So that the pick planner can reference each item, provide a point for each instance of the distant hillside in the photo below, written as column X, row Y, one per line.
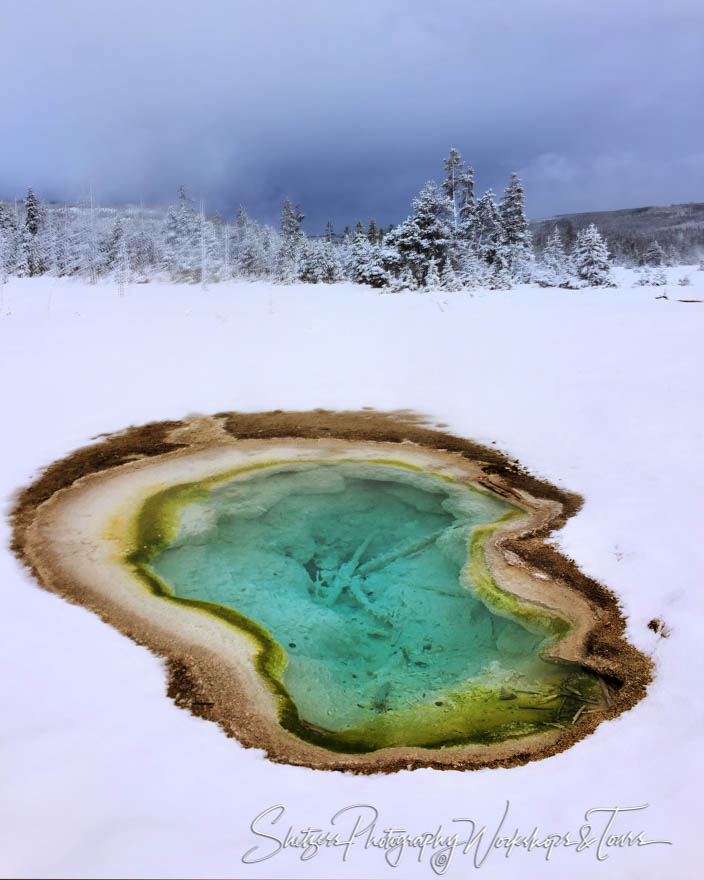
column 679, row 229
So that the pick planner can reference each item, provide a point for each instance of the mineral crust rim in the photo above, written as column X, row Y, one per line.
column 74, row 539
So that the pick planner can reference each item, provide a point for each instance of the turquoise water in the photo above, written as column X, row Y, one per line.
column 356, row 570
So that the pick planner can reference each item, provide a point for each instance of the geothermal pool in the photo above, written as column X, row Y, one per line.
column 367, row 590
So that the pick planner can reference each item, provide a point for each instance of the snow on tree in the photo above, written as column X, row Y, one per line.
column 432, row 276
column 427, row 234
column 58, row 242
column 658, row 278
column 8, row 243
column 365, row 262
column 472, row 271
column 673, row 256
column 332, row 264
column 287, row 269
column 117, row 256
column 5, row 245
column 591, row 258
column 374, row 274
column 489, row 236
column 319, row 262
column 183, row 256
column 404, row 281
column 454, row 169
column 311, row 262
column 34, row 215
column 357, row 256
column 87, row 256
column 449, row 279
column 459, row 188
column 654, row 255
column 32, row 258
column 553, row 269
column 467, row 204
column 515, row 230
column 644, row 279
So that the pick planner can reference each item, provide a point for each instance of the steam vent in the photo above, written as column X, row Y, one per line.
column 345, row 590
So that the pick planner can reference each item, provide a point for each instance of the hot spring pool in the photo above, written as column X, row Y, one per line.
column 355, row 578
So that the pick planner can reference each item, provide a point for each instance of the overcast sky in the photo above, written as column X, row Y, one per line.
column 349, row 107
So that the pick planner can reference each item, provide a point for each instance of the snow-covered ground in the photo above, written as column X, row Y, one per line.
column 598, row 390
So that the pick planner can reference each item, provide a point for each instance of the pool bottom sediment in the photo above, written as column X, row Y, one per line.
column 76, row 524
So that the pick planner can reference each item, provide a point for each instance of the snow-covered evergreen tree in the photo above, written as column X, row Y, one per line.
column 466, row 205
column 489, row 236
column 654, row 255
column 591, row 258
column 332, row 265
column 472, row 271
column 357, row 256
column 427, row 234
column 287, row 268
column 311, row 262
column 553, row 269
column 672, row 256
column 183, row 255
column 432, row 276
column 454, row 169
column 404, row 281
column 32, row 257
column 448, row 278
column 515, row 230
column 8, row 243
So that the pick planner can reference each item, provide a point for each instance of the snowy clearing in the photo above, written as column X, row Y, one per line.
column 597, row 390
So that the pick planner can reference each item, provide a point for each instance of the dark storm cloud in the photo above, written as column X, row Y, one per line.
column 349, row 108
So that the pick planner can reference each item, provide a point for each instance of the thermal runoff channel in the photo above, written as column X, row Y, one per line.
column 367, row 588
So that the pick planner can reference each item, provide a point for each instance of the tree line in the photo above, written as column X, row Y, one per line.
column 452, row 240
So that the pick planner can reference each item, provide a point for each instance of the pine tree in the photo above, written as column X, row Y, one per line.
column 405, row 281
column 33, row 257
column 427, row 234
column 454, row 169
column 515, row 229
column 8, row 243
column 654, row 255
column 332, row 272
column 358, row 256
column 489, row 237
column 553, row 269
column 448, row 278
column 673, row 256
column 467, row 204
column 183, row 257
column 34, row 215
column 375, row 274
column 329, row 233
column 591, row 258
column 373, row 232
column 432, row 276
column 292, row 239
column 473, row 271
column 659, row 277
column 310, row 265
